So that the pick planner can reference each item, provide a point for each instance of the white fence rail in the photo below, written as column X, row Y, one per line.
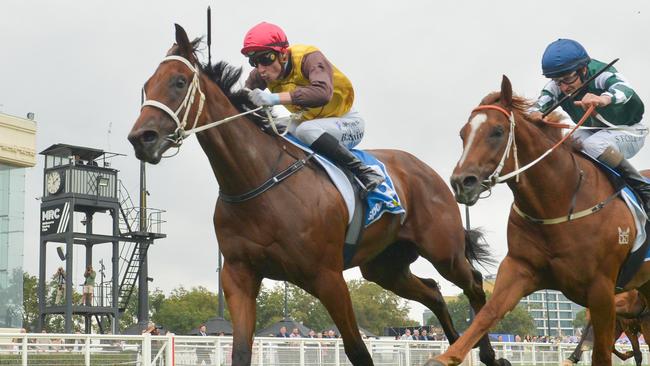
column 145, row 350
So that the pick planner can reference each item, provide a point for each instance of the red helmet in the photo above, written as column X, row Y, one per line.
column 265, row 37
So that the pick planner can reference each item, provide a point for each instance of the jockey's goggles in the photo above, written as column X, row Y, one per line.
column 265, row 58
column 566, row 80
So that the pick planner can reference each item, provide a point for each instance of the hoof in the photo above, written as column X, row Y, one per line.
column 503, row 362
column 434, row 362
column 567, row 363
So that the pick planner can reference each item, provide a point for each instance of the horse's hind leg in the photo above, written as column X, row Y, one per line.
column 390, row 270
column 331, row 290
column 514, row 280
column 576, row 355
column 455, row 268
column 241, row 287
column 631, row 328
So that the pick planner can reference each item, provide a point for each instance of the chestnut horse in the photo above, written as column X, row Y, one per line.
column 631, row 319
column 580, row 256
column 295, row 230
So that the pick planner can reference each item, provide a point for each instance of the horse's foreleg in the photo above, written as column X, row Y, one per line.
column 512, row 283
column 331, row 290
column 241, row 286
column 603, row 316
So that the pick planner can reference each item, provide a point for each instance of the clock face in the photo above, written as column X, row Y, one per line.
column 53, row 182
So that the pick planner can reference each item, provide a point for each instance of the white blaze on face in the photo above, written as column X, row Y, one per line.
column 475, row 124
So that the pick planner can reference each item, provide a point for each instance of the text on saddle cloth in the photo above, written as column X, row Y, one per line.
column 383, row 199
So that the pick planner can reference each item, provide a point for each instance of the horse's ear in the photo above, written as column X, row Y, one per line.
column 183, row 42
column 506, row 92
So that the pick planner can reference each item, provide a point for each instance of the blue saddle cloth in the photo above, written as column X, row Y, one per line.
column 383, row 199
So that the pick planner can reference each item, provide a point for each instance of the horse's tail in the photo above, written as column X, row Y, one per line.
column 477, row 249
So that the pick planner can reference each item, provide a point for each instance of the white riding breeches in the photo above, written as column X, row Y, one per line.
column 348, row 129
column 628, row 143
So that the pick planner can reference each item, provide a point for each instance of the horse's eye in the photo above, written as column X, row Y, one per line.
column 181, row 82
column 497, row 132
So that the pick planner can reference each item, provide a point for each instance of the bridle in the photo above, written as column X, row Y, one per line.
column 181, row 133
column 495, row 178
column 195, row 87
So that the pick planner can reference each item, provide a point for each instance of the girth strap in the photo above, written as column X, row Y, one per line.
column 571, row 216
column 268, row 184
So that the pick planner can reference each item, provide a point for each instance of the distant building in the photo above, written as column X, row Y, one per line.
column 17, row 153
column 550, row 309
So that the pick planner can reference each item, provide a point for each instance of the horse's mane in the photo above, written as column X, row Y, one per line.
column 520, row 107
column 225, row 76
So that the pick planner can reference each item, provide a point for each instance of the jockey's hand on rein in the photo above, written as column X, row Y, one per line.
column 592, row 99
column 263, row 98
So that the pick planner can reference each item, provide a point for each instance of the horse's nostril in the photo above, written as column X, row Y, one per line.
column 470, row 181
column 149, row 137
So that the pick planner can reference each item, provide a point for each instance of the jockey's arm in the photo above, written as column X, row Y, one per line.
column 318, row 71
column 616, row 86
column 547, row 97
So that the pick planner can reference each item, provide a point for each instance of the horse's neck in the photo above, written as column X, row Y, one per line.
column 548, row 186
column 241, row 155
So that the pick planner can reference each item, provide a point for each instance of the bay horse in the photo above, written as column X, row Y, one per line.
column 295, row 230
column 632, row 319
column 550, row 245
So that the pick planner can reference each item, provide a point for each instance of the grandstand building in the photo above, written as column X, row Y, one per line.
column 17, row 153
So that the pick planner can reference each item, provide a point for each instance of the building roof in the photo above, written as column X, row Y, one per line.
column 215, row 326
column 138, row 328
column 365, row 331
column 275, row 328
column 85, row 153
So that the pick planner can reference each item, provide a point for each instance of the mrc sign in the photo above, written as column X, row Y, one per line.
column 55, row 219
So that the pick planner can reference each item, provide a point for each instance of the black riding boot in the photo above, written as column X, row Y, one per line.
column 636, row 181
column 331, row 148
column 615, row 160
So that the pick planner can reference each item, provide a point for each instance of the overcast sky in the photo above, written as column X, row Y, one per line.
column 418, row 68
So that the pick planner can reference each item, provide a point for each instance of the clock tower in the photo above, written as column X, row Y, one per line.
column 84, row 205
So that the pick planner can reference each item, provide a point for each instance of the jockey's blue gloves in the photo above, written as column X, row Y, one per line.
column 263, row 98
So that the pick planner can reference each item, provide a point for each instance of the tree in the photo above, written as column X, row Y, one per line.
column 376, row 308
column 185, row 309
column 30, row 302
column 130, row 315
column 269, row 306
column 580, row 320
column 517, row 321
column 459, row 312
column 308, row 309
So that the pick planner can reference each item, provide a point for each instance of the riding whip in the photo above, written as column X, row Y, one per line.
column 575, row 92
column 209, row 37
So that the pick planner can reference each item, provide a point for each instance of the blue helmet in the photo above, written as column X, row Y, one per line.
column 563, row 56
